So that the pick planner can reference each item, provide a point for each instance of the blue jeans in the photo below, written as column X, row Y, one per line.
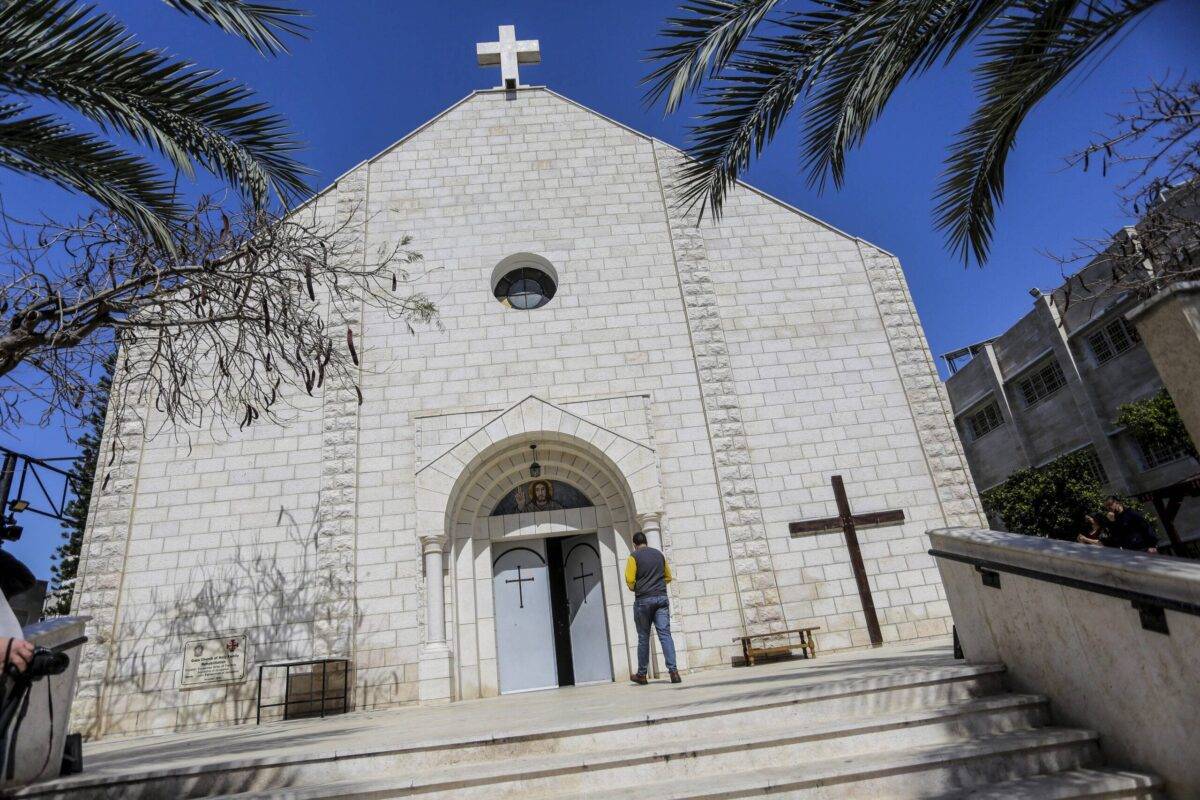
column 656, row 610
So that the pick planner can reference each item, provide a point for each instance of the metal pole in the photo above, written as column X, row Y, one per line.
column 856, row 562
column 6, row 479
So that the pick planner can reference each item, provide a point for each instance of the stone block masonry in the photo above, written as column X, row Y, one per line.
column 337, row 506
column 745, row 360
column 926, row 394
column 758, row 592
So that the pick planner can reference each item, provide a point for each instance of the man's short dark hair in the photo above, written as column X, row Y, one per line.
column 639, row 538
column 1114, row 498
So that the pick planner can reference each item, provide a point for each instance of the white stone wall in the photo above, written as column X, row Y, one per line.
column 820, row 361
column 771, row 336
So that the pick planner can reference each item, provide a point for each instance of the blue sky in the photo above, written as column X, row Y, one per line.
column 372, row 70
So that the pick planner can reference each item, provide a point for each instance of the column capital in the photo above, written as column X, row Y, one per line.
column 650, row 519
column 432, row 542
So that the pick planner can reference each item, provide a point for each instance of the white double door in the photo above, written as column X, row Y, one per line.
column 551, row 627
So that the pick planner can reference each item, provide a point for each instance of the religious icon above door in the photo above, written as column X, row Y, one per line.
column 541, row 495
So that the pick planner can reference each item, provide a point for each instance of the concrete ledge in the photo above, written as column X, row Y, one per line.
column 1174, row 579
column 42, row 734
column 1142, row 308
column 1109, row 636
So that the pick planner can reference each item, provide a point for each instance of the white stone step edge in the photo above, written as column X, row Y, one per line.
column 1076, row 784
column 605, row 763
column 895, row 772
column 891, row 680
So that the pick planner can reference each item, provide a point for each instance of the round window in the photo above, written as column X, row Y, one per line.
column 524, row 288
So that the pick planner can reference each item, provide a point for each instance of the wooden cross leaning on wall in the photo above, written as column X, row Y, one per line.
column 847, row 522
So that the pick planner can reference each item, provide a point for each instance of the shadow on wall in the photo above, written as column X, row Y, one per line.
column 273, row 593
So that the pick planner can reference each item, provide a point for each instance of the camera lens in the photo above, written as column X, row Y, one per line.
column 46, row 662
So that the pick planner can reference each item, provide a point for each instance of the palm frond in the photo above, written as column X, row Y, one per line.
column 743, row 111
column 262, row 25
column 706, row 39
column 44, row 146
column 1026, row 54
column 868, row 48
column 88, row 61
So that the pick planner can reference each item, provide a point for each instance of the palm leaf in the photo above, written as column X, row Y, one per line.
column 88, row 61
column 707, row 38
column 1026, row 54
column 259, row 24
column 47, row 147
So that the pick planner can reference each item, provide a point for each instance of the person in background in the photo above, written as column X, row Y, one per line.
column 1098, row 532
column 1121, row 527
column 647, row 574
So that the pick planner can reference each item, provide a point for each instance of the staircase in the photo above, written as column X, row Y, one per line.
column 941, row 729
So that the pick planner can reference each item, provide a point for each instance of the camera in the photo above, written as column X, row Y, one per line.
column 10, row 531
column 43, row 663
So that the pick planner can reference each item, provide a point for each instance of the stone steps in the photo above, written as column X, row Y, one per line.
column 913, row 732
column 1061, row 759
column 692, row 758
column 1076, row 784
column 795, row 709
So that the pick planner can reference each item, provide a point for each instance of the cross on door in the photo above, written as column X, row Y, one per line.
column 581, row 577
column 520, row 589
column 846, row 521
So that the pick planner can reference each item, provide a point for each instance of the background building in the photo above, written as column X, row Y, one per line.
column 1052, row 384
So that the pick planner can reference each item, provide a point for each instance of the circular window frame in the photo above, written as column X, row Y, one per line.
column 518, row 262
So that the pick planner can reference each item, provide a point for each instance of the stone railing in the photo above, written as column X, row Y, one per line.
column 39, row 745
column 1110, row 636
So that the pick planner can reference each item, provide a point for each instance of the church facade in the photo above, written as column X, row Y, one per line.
column 604, row 364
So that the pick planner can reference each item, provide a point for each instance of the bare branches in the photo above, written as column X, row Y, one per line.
column 1159, row 138
column 1157, row 142
column 238, row 318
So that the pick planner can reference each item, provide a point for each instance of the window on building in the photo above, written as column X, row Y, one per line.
column 1041, row 382
column 1155, row 455
column 1113, row 339
column 983, row 421
column 525, row 288
column 1094, row 466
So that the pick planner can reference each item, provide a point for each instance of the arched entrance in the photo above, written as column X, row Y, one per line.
column 535, row 589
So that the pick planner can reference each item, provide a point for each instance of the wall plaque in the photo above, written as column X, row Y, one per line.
column 213, row 661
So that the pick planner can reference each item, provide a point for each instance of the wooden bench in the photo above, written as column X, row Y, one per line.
column 806, row 644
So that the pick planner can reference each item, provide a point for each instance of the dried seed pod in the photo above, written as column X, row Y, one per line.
column 350, row 345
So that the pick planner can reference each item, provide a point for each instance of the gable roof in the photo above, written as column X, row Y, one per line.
column 647, row 138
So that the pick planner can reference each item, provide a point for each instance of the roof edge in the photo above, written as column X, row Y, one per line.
column 498, row 90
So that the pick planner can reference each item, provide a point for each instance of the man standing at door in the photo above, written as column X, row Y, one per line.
column 647, row 575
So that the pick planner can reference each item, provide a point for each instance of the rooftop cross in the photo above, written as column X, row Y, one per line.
column 508, row 53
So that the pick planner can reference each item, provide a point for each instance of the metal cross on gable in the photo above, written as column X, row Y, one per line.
column 847, row 521
column 508, row 53
column 520, row 589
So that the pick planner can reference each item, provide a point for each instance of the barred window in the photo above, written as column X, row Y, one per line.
column 983, row 421
column 1113, row 339
column 1093, row 465
column 1041, row 383
column 1159, row 453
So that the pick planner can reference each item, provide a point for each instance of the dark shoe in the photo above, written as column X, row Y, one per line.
column 675, row 677
column 638, row 679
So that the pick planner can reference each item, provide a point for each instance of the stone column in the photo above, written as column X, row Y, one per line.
column 435, row 590
column 1169, row 324
column 434, row 679
column 651, row 524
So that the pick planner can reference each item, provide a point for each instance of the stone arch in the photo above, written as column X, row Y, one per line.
column 533, row 420
column 455, row 495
